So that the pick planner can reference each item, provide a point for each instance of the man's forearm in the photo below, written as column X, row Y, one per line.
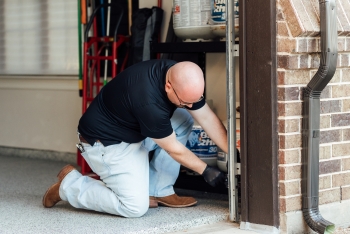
column 217, row 133
column 180, row 153
column 189, row 160
column 212, row 126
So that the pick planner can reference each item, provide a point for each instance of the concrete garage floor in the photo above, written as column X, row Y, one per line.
column 23, row 182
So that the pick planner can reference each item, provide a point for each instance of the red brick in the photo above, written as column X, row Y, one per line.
column 346, row 10
column 289, row 156
column 280, row 15
column 282, row 29
column 291, row 18
column 302, row 45
column 336, row 77
column 329, row 196
column 288, row 94
column 288, row 61
column 311, row 17
column 339, row 91
column 339, row 120
column 289, row 172
column 289, row 125
column 304, row 61
column 330, row 136
column 313, row 45
column 346, row 105
column 326, row 93
column 290, row 141
column 325, row 121
column 342, row 149
column 286, row 45
column 296, row 77
column 325, row 152
column 316, row 5
column 289, row 188
column 289, row 109
column 325, row 182
column 345, row 73
column 314, row 60
column 347, row 48
column 341, row 44
column 330, row 106
column 343, row 16
column 345, row 192
column 290, row 203
column 330, row 166
column 346, row 134
column 281, row 77
column 342, row 179
column 345, row 164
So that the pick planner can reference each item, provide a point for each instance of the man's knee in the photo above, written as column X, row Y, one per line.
column 133, row 206
column 135, row 209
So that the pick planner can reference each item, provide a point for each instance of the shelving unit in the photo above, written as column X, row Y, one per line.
column 189, row 47
column 229, row 47
column 200, row 48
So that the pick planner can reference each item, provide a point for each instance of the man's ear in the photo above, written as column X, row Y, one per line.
column 167, row 86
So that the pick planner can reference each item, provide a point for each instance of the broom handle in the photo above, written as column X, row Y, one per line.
column 106, row 53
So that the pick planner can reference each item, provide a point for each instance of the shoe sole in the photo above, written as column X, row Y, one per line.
column 176, row 206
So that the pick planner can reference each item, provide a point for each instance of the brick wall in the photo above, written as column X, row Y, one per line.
column 298, row 47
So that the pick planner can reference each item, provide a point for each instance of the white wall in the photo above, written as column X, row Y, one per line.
column 216, row 82
column 39, row 113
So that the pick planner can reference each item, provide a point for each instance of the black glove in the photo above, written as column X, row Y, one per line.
column 213, row 176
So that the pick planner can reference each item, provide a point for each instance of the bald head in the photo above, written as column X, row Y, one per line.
column 188, row 81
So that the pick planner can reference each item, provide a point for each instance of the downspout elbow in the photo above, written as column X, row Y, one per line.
column 316, row 222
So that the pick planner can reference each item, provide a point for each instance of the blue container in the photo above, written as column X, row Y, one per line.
column 200, row 143
column 218, row 11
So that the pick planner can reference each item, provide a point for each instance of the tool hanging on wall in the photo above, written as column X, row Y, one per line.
column 129, row 15
column 82, row 18
column 80, row 6
column 106, row 51
column 103, row 19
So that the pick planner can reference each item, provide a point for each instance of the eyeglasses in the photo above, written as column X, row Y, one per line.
column 182, row 103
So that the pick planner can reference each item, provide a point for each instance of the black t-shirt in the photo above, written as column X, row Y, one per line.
column 132, row 106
